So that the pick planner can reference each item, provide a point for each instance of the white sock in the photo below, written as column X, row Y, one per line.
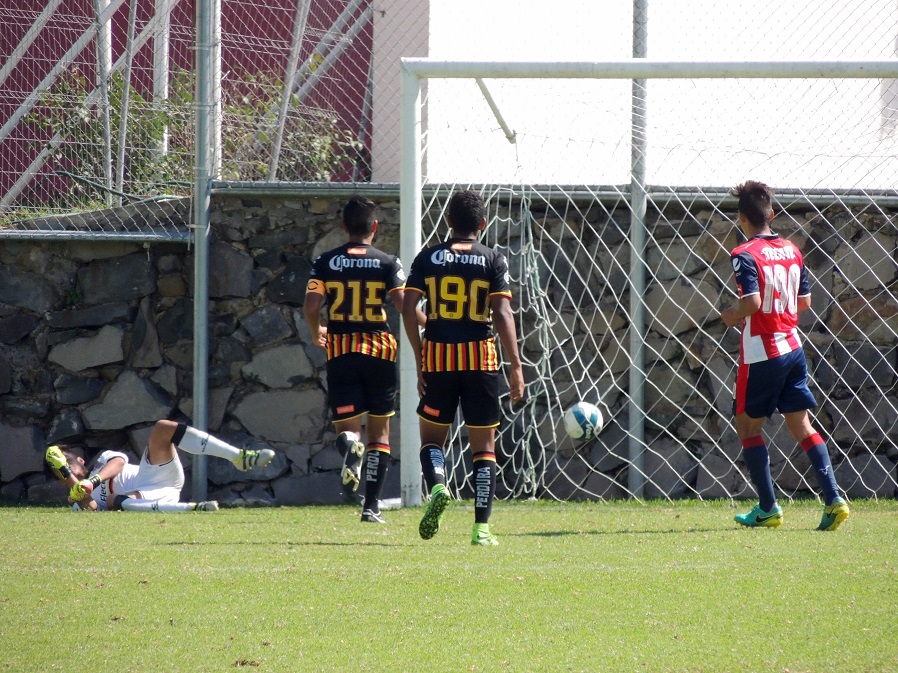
column 141, row 505
column 200, row 443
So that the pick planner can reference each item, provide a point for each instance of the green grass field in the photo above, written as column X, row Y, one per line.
column 573, row 587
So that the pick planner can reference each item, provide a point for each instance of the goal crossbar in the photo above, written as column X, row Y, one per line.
column 645, row 68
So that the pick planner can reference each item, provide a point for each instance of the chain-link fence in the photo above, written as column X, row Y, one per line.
column 97, row 96
column 98, row 109
column 98, row 102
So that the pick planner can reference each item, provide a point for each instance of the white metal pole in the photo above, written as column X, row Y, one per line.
column 409, row 241
column 89, row 102
column 217, row 110
column 161, row 49
column 299, row 29
column 28, row 39
column 104, row 66
column 126, row 93
column 638, row 147
column 201, row 199
column 363, row 19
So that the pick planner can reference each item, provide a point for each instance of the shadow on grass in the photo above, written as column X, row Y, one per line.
column 670, row 531
column 264, row 543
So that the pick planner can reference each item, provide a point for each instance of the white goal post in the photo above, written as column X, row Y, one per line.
column 413, row 191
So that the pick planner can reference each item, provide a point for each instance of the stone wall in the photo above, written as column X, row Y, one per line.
column 96, row 344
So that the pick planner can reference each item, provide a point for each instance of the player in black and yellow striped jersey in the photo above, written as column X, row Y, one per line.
column 354, row 281
column 466, row 293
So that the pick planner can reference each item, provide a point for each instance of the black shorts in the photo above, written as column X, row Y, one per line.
column 477, row 391
column 361, row 384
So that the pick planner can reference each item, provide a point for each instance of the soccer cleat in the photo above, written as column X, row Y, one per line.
column 433, row 515
column 834, row 515
column 247, row 459
column 55, row 457
column 370, row 516
column 482, row 537
column 207, row 506
column 352, row 450
column 757, row 517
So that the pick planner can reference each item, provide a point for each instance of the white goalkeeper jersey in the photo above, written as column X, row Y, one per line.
column 154, row 482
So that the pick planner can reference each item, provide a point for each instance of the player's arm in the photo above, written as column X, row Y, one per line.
column 397, row 296
column 59, row 464
column 746, row 272
column 410, row 310
column 747, row 306
column 311, row 310
column 804, row 290
column 503, row 319
column 81, row 492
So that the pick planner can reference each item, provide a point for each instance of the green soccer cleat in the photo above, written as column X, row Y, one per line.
column 247, row 459
column 433, row 515
column 481, row 537
column 759, row 518
column 834, row 515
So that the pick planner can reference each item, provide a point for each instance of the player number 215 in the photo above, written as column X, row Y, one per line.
column 352, row 298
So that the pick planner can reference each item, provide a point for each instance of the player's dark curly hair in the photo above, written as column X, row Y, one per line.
column 755, row 202
column 358, row 215
column 465, row 212
column 72, row 452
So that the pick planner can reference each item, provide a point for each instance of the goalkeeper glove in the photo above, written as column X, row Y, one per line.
column 84, row 488
column 57, row 461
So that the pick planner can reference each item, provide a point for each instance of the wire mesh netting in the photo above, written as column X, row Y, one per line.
column 569, row 256
column 97, row 98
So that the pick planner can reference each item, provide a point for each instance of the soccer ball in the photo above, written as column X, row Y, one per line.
column 583, row 421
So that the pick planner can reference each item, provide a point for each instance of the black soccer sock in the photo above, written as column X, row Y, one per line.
column 757, row 460
column 484, row 486
column 377, row 461
column 433, row 465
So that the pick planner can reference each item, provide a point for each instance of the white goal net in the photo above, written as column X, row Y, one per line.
column 609, row 194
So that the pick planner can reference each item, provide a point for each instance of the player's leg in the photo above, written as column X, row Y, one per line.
column 379, row 382
column 484, row 465
column 480, row 408
column 168, row 434
column 144, row 505
column 756, row 395
column 795, row 401
column 346, row 397
column 349, row 444
column 436, row 411
column 433, row 468
column 835, row 509
column 377, row 462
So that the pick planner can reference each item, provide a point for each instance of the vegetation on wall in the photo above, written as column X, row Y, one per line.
column 158, row 157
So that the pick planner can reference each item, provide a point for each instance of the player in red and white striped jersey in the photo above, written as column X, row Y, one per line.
column 772, row 375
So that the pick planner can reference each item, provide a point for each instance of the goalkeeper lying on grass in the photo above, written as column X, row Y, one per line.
column 154, row 485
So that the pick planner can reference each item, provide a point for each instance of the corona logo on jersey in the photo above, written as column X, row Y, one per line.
column 341, row 262
column 444, row 257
